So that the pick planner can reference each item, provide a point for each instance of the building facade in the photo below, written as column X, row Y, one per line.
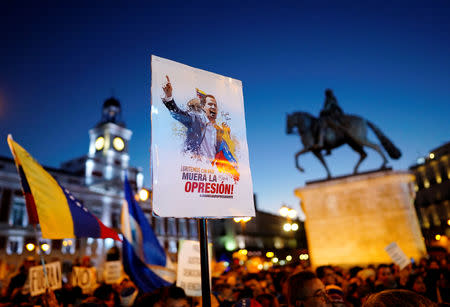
column 96, row 179
column 433, row 195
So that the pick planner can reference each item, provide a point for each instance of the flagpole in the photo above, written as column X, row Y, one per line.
column 204, row 259
column 41, row 254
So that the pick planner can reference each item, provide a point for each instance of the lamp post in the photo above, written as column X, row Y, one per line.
column 290, row 214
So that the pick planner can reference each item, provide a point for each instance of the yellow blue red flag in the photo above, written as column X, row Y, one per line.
column 58, row 212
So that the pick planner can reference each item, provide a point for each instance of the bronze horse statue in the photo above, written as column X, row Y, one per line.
column 354, row 134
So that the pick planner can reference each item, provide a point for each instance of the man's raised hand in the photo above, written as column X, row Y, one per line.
column 167, row 88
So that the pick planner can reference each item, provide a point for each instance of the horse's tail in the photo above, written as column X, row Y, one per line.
column 391, row 149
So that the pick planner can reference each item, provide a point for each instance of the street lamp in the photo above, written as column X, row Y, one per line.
column 29, row 247
column 144, row 194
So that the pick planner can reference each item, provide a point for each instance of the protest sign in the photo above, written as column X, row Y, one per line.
column 37, row 281
column 112, row 271
column 189, row 276
column 199, row 146
column 397, row 255
column 85, row 278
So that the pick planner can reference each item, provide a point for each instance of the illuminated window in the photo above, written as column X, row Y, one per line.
column 14, row 245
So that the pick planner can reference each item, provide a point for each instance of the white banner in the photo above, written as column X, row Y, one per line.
column 112, row 272
column 189, row 274
column 199, row 146
column 36, row 277
column 85, row 278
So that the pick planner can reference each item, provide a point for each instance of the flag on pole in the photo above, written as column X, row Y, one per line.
column 144, row 259
column 58, row 212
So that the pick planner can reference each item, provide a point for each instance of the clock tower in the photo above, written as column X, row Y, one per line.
column 108, row 148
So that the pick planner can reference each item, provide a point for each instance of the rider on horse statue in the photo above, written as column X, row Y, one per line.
column 331, row 116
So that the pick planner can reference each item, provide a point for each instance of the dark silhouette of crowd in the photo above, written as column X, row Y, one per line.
column 425, row 283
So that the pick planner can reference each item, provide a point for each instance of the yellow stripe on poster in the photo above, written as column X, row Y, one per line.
column 51, row 204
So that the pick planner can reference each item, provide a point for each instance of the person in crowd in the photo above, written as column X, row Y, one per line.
column 397, row 297
column 385, row 278
column 306, row 290
column 326, row 274
column 415, row 283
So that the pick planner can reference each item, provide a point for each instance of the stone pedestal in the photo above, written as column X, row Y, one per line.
column 350, row 220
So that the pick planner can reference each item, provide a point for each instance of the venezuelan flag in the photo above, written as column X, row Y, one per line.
column 58, row 212
column 225, row 159
column 200, row 94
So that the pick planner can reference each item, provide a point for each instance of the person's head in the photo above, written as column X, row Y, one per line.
column 106, row 293
column 384, row 274
column 416, row 284
column 210, row 108
column 305, row 289
column 394, row 298
column 267, row 300
column 329, row 92
column 326, row 274
column 195, row 104
column 28, row 262
column 176, row 297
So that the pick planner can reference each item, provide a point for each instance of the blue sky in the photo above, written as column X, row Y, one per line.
column 387, row 61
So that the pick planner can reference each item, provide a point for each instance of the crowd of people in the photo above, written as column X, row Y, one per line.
column 419, row 284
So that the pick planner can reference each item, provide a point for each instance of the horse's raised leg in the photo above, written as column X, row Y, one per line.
column 304, row 150
column 319, row 156
column 377, row 149
column 362, row 154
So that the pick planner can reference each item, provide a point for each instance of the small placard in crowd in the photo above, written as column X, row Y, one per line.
column 37, row 280
column 112, row 272
column 397, row 255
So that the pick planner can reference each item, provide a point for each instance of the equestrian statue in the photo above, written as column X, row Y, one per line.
column 333, row 129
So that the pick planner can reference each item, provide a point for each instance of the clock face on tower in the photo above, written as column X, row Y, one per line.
column 99, row 143
column 118, row 144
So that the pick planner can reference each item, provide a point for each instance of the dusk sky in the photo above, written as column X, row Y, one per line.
column 387, row 61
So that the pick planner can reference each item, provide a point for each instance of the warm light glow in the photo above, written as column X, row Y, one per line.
column 99, row 143
column 416, row 187
column 288, row 257
column 448, row 222
column 431, row 155
column 437, row 237
column 274, row 259
column 243, row 252
column 242, row 219
column 69, row 242
column 426, row 184
column 64, row 243
column 118, row 144
column 304, row 256
column 294, row 227
column 144, row 194
column 292, row 214
column 284, row 211
column 287, row 227
column 438, row 179
column 260, row 266
column 45, row 247
column 29, row 247
column 270, row 254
